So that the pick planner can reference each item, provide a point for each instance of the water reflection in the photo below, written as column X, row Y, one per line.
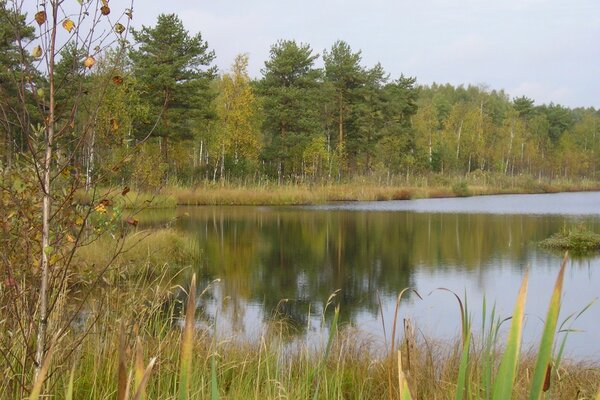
column 301, row 256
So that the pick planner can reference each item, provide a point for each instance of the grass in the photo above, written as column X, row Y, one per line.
column 356, row 189
column 126, row 198
column 578, row 240
column 138, row 348
column 364, row 189
column 141, row 253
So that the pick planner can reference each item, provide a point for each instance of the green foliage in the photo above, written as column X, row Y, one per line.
column 461, row 189
column 578, row 239
column 172, row 69
column 291, row 105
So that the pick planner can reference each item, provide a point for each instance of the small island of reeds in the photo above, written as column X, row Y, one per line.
column 579, row 240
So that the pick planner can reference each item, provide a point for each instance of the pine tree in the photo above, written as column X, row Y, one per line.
column 290, row 90
column 173, row 71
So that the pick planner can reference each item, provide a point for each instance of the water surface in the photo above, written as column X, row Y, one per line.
column 291, row 259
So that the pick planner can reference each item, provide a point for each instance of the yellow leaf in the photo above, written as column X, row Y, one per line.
column 70, row 239
column 79, row 221
column 119, row 28
column 68, row 25
column 89, row 61
column 37, row 52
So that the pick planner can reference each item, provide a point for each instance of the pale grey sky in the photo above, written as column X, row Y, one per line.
column 548, row 50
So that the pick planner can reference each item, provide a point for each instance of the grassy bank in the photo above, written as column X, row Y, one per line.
column 144, row 253
column 138, row 339
column 358, row 189
column 365, row 191
column 271, row 368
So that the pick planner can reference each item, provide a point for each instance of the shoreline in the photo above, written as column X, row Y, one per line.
column 290, row 195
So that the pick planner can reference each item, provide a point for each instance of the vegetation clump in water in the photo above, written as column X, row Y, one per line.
column 579, row 240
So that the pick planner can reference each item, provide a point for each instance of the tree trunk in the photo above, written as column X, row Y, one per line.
column 341, row 120
column 459, row 133
column 90, row 160
column 512, row 135
column 46, row 203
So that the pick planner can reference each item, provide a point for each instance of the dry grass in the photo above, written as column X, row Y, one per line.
column 363, row 189
column 274, row 368
column 142, row 252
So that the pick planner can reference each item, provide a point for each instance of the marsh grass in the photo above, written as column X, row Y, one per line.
column 270, row 368
column 355, row 189
column 126, row 198
column 366, row 189
column 578, row 240
column 141, row 252
column 144, row 345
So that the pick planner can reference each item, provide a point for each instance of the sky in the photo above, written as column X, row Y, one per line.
column 548, row 50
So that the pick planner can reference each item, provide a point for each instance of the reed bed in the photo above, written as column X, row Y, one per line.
column 356, row 189
column 366, row 190
column 143, row 345
column 139, row 253
column 578, row 240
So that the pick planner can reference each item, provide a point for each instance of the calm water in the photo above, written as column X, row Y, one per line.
column 293, row 258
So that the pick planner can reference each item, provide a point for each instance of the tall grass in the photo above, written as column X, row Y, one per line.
column 189, row 363
column 142, row 252
column 366, row 189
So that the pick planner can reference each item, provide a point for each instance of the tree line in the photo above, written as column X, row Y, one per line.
column 296, row 122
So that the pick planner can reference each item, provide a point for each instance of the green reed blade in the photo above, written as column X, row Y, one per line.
column 547, row 342
column 69, row 393
column 462, row 380
column 332, row 332
column 402, row 382
column 505, row 377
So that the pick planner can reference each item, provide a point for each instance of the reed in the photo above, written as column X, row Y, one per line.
column 578, row 240
column 187, row 362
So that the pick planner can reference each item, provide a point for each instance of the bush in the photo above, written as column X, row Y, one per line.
column 461, row 189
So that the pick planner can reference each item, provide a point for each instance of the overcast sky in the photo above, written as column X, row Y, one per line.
column 548, row 50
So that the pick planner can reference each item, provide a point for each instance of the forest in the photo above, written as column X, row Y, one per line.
column 309, row 117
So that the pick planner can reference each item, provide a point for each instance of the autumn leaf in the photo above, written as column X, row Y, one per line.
column 89, row 61
column 105, row 10
column 68, row 25
column 117, row 80
column 37, row 52
column 105, row 3
column 126, row 190
column 40, row 17
column 132, row 221
column 129, row 13
column 119, row 28
column 114, row 124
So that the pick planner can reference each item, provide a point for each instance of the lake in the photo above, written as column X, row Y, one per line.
column 292, row 259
